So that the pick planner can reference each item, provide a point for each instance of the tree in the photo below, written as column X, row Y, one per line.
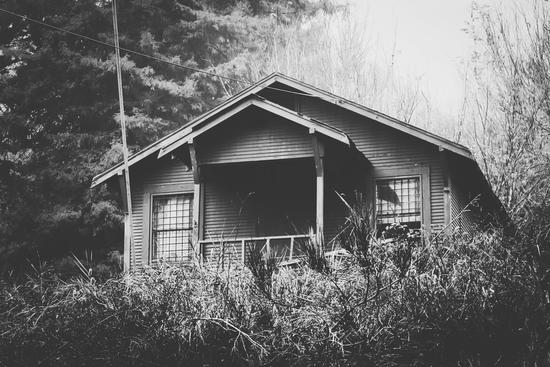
column 508, row 103
column 58, row 103
column 509, row 111
column 335, row 51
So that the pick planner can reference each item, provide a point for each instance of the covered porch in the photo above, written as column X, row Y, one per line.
column 276, row 206
column 270, row 204
column 267, row 176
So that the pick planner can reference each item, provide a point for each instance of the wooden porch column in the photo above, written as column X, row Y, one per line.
column 197, row 199
column 127, row 245
column 443, row 158
column 318, row 155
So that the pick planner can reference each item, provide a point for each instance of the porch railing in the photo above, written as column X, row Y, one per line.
column 286, row 248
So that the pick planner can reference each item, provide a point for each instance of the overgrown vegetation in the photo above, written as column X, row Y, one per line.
column 400, row 301
column 452, row 301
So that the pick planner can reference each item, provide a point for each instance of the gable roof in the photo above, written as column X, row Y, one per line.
column 181, row 135
column 203, row 124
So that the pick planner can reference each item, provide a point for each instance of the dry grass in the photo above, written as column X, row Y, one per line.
column 448, row 300
column 455, row 302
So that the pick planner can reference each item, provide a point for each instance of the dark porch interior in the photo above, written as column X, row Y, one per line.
column 255, row 199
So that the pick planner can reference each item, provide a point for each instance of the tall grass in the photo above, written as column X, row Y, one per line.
column 453, row 301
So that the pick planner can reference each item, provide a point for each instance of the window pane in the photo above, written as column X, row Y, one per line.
column 398, row 200
column 172, row 227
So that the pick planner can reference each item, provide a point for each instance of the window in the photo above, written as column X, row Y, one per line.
column 398, row 200
column 171, row 227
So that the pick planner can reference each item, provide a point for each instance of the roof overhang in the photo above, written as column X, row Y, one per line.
column 185, row 133
column 371, row 114
column 311, row 124
column 202, row 125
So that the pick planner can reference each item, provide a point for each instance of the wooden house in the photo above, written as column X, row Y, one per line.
column 273, row 163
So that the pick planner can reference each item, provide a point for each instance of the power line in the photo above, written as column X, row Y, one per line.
column 130, row 249
column 95, row 40
column 148, row 56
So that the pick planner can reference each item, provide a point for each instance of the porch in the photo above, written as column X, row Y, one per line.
column 268, row 180
column 275, row 206
column 287, row 249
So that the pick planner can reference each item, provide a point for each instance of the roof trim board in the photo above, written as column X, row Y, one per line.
column 311, row 124
column 174, row 135
column 374, row 115
column 306, row 89
column 199, row 126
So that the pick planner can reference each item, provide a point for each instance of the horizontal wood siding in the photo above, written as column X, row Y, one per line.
column 437, row 195
column 346, row 178
column 254, row 136
column 455, row 201
column 462, row 192
column 385, row 148
column 153, row 176
column 281, row 94
column 259, row 199
column 137, row 222
column 225, row 212
column 222, row 253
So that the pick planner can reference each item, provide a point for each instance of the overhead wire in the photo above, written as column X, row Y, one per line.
column 127, row 244
column 148, row 56
column 95, row 40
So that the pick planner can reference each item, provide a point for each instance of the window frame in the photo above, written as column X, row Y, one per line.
column 147, row 218
column 423, row 173
column 378, row 179
column 150, row 223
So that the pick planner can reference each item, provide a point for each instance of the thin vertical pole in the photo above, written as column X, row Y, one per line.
column 123, row 129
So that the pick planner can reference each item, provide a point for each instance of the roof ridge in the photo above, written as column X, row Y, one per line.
column 359, row 105
column 315, row 92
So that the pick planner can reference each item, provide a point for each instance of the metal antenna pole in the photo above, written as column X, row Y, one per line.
column 128, row 251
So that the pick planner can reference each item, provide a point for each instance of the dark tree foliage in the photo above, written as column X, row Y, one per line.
column 58, row 103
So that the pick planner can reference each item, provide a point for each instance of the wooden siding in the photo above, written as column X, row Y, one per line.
column 153, row 176
column 259, row 199
column 384, row 147
column 463, row 189
column 254, row 136
column 349, row 177
column 225, row 212
column 275, row 94
column 238, row 196
column 222, row 253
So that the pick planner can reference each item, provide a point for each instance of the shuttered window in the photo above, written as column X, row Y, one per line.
column 171, row 227
column 398, row 200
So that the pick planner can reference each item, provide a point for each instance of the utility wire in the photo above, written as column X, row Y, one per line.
column 95, row 40
column 148, row 56
column 130, row 250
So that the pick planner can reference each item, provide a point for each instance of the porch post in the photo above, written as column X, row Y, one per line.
column 320, row 207
column 197, row 200
column 318, row 155
column 444, row 160
column 127, row 229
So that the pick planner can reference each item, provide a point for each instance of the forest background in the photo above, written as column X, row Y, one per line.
column 448, row 300
column 58, row 102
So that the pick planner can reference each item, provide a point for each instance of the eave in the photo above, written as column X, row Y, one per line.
column 174, row 139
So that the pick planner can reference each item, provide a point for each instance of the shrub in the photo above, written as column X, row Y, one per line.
column 453, row 302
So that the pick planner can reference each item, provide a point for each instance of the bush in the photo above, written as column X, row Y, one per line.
column 452, row 302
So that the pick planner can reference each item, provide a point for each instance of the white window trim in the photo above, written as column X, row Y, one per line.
column 149, row 192
column 420, row 183
column 150, row 223
column 423, row 172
